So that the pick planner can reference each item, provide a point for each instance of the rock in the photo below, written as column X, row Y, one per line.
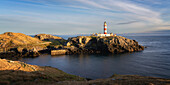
column 111, row 44
column 21, row 44
column 73, row 50
column 47, row 37
column 26, row 51
column 80, row 40
column 86, row 40
column 67, row 44
column 10, row 39
column 53, row 39
column 58, row 52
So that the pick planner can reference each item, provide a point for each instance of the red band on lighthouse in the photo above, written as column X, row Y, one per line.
column 105, row 28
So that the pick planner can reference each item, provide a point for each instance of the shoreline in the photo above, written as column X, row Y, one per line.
column 20, row 45
column 23, row 73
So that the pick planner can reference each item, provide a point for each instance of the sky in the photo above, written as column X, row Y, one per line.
column 65, row 17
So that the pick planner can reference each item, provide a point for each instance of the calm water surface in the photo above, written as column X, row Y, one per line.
column 153, row 61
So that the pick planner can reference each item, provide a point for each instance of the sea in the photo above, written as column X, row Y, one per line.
column 153, row 61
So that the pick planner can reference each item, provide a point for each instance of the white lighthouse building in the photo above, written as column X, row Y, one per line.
column 105, row 31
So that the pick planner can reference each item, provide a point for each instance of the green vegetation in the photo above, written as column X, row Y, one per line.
column 58, row 42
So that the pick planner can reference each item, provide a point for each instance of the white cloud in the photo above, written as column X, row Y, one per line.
column 131, row 9
column 92, row 3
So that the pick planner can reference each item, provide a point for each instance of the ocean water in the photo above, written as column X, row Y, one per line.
column 153, row 61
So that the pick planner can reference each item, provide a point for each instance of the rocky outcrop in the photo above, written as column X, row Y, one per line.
column 53, row 39
column 47, row 37
column 20, row 45
column 10, row 39
column 111, row 44
column 18, row 52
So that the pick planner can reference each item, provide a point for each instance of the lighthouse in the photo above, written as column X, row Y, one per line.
column 105, row 28
column 105, row 34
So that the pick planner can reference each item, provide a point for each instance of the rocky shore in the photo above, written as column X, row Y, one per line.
column 15, row 45
column 21, row 45
column 20, row 73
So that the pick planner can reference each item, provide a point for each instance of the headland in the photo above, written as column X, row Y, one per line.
column 21, row 45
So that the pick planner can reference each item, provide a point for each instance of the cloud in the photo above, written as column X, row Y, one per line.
column 162, row 28
column 140, row 12
column 80, row 7
column 94, row 4
column 165, row 26
column 131, row 9
column 86, row 15
column 130, row 22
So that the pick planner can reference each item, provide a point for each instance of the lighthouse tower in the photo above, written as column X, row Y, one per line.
column 105, row 28
column 105, row 32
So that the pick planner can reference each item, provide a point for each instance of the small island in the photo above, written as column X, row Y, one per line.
column 98, row 44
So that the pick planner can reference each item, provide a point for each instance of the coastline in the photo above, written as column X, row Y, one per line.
column 16, row 72
column 20, row 45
